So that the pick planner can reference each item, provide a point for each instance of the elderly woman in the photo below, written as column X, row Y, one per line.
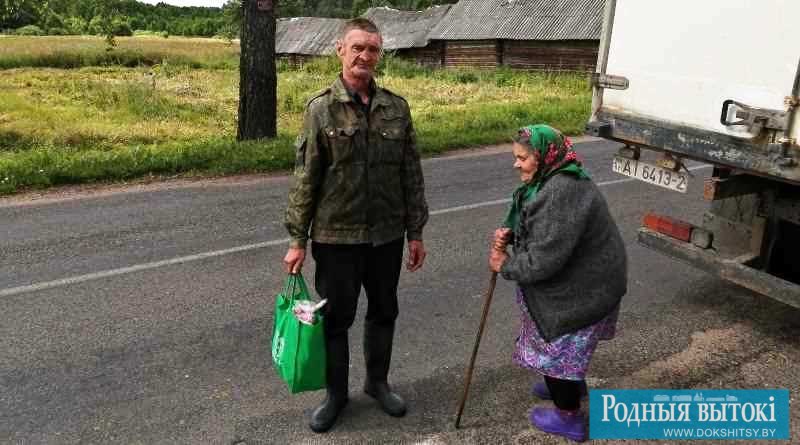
column 569, row 263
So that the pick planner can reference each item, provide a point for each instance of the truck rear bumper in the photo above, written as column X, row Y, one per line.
column 701, row 145
column 731, row 269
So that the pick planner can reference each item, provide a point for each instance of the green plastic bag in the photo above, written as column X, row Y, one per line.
column 298, row 348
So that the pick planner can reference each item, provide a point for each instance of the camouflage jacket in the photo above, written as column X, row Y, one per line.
column 358, row 178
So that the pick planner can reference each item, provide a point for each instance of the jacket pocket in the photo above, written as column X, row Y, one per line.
column 341, row 141
column 393, row 142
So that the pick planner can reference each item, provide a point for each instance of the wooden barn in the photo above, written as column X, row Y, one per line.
column 405, row 33
column 523, row 34
column 298, row 39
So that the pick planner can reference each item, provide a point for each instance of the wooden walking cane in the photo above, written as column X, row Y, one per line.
column 487, row 301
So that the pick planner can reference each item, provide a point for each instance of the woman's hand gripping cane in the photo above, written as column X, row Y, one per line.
column 497, row 254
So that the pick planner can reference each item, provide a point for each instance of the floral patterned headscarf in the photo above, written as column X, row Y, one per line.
column 555, row 155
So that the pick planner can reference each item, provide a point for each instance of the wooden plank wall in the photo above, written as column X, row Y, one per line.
column 472, row 53
column 563, row 55
column 431, row 55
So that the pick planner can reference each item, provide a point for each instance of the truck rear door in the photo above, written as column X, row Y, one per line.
column 707, row 80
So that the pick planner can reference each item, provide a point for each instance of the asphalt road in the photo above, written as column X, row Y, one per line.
column 142, row 316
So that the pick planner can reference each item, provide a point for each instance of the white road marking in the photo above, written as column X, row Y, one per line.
column 205, row 255
column 136, row 268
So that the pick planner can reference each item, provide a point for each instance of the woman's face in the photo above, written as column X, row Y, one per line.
column 526, row 161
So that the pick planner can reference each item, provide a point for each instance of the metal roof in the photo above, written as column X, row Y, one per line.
column 314, row 36
column 405, row 29
column 521, row 20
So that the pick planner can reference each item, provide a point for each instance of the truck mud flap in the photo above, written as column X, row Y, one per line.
column 731, row 269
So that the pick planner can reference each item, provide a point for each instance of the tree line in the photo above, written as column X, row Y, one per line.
column 118, row 17
column 124, row 17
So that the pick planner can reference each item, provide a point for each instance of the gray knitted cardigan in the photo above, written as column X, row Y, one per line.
column 569, row 258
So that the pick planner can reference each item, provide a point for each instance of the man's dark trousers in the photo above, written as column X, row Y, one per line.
column 341, row 271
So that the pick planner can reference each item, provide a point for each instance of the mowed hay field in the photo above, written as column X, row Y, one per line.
column 72, row 111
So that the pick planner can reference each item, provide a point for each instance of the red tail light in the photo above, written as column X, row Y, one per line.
column 668, row 226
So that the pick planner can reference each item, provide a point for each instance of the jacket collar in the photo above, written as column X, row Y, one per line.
column 340, row 93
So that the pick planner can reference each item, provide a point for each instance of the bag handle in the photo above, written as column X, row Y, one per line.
column 295, row 284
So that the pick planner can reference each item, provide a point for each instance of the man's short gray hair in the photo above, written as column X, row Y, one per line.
column 361, row 23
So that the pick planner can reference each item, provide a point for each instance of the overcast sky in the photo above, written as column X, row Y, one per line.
column 216, row 3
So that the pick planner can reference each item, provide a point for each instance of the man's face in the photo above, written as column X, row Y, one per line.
column 359, row 52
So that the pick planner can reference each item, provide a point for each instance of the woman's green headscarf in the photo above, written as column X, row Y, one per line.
column 555, row 155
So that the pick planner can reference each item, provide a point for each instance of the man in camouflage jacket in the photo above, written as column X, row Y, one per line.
column 358, row 190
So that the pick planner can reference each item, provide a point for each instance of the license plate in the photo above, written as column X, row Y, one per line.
column 652, row 174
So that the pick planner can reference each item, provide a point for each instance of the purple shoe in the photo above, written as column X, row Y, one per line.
column 541, row 390
column 569, row 424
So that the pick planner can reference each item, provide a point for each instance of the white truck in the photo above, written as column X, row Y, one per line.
column 715, row 81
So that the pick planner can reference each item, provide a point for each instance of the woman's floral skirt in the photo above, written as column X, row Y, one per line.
column 566, row 357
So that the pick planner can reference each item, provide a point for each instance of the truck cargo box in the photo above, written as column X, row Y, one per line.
column 717, row 81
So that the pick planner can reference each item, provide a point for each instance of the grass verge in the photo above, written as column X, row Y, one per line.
column 116, row 123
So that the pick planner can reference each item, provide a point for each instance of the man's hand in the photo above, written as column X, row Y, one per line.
column 416, row 255
column 496, row 259
column 501, row 238
column 294, row 259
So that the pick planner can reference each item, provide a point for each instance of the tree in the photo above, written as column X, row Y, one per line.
column 18, row 13
column 257, row 76
column 232, row 13
column 359, row 6
column 107, row 11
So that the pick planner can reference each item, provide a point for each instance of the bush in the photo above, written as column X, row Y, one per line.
column 57, row 32
column 121, row 28
column 95, row 26
column 30, row 30
column 75, row 25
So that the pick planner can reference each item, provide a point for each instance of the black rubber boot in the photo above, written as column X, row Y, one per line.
column 337, row 368
column 378, row 355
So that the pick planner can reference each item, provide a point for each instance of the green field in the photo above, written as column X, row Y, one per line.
column 173, row 110
column 84, row 51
